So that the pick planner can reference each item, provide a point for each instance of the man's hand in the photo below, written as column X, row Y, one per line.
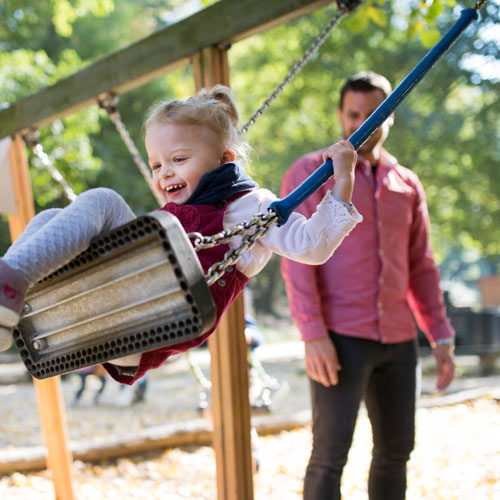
column 322, row 364
column 445, row 365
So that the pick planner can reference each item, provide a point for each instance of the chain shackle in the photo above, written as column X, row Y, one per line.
column 348, row 5
column 480, row 4
column 109, row 102
column 250, row 232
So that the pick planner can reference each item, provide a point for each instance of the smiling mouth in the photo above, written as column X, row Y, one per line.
column 174, row 187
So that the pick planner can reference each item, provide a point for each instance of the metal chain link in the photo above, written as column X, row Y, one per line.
column 110, row 104
column 250, row 231
column 480, row 4
column 297, row 67
column 31, row 139
column 254, row 229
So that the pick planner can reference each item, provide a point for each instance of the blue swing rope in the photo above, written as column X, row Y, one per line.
column 284, row 207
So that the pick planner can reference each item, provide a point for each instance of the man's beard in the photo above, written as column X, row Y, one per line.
column 367, row 146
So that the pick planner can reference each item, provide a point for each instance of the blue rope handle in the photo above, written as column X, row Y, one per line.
column 284, row 207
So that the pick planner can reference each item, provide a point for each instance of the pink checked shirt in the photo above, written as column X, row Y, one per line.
column 381, row 273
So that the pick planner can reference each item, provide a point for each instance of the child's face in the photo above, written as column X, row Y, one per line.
column 179, row 155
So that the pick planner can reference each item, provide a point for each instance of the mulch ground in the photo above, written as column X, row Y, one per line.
column 457, row 454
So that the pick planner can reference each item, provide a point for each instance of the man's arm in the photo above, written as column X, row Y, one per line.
column 425, row 296
column 304, row 297
column 304, row 300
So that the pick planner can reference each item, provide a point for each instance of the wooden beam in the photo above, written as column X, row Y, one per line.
column 226, row 21
column 55, row 435
column 173, row 435
column 228, row 350
column 25, row 206
column 50, row 401
column 231, row 407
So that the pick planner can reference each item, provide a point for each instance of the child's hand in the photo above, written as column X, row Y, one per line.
column 343, row 156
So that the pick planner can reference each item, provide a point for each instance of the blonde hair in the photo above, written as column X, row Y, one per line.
column 212, row 108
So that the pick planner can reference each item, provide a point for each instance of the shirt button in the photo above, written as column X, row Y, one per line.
column 230, row 270
column 380, row 305
column 381, row 253
column 222, row 282
column 381, row 281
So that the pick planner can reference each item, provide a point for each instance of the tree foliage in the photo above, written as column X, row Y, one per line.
column 447, row 130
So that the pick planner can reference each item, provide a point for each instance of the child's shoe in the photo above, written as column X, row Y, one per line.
column 12, row 292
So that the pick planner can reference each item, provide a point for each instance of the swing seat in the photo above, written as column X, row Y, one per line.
column 137, row 288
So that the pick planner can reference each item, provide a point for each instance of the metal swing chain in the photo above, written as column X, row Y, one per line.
column 260, row 223
column 110, row 104
column 250, row 231
column 344, row 9
column 31, row 139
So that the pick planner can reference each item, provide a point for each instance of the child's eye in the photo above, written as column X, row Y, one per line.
column 179, row 159
column 155, row 166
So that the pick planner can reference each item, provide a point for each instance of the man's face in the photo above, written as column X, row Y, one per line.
column 356, row 108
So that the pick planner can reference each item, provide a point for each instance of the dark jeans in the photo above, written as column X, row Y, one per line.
column 384, row 375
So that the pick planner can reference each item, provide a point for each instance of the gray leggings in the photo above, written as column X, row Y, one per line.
column 57, row 235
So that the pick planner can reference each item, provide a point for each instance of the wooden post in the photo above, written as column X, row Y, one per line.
column 22, row 188
column 50, row 402
column 228, row 350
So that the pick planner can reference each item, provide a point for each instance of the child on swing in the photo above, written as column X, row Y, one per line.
column 193, row 147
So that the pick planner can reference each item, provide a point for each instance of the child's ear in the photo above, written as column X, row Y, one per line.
column 228, row 156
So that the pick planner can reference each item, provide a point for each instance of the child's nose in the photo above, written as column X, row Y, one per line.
column 166, row 171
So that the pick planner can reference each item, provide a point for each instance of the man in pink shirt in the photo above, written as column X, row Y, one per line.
column 355, row 311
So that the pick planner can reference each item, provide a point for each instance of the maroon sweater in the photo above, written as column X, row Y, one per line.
column 207, row 220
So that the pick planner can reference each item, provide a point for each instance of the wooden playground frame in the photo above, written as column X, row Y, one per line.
column 186, row 42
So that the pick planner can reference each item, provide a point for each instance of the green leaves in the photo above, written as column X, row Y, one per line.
column 447, row 130
column 23, row 72
column 435, row 8
column 66, row 12
column 423, row 20
column 430, row 37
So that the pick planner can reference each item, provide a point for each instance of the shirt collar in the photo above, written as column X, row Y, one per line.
column 387, row 161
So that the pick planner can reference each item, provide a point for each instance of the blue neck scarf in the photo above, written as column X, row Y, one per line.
column 220, row 185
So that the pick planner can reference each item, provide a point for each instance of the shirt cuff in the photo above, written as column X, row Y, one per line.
column 313, row 330
column 442, row 332
column 349, row 206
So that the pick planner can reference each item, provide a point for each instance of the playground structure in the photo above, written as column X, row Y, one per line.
column 186, row 42
column 209, row 60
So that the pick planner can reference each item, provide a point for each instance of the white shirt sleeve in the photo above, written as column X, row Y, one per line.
column 309, row 241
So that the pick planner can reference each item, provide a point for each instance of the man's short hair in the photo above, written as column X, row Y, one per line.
column 365, row 81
